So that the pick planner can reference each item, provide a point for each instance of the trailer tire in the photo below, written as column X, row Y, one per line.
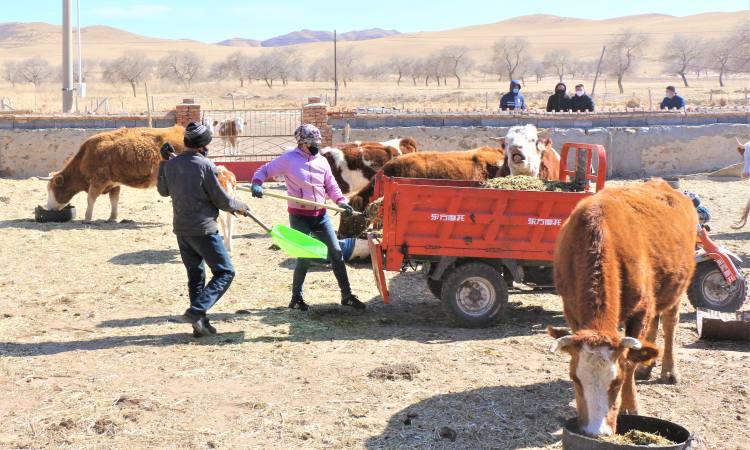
column 474, row 294
column 709, row 290
column 435, row 286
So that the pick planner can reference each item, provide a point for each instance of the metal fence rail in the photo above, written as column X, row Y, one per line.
column 265, row 133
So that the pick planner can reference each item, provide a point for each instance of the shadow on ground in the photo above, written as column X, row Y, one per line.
column 417, row 316
column 13, row 349
column 146, row 257
column 77, row 224
column 507, row 417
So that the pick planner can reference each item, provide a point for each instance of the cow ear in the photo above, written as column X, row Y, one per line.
column 501, row 140
column 58, row 180
column 647, row 353
column 741, row 150
column 216, row 122
column 558, row 332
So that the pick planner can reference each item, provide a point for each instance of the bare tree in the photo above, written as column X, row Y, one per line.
column 400, row 67
column 35, row 70
column 540, row 70
column 182, row 67
column 729, row 54
column 623, row 52
column 560, row 60
column 415, row 70
column 132, row 68
column 437, row 66
column 681, row 54
column 287, row 62
column 324, row 67
column 507, row 54
column 235, row 63
column 220, row 70
column 347, row 64
column 11, row 73
column 457, row 61
column 267, row 67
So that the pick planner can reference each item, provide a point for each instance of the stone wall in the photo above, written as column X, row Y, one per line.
column 631, row 151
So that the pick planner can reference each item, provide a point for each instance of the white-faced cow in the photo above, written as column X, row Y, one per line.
column 354, row 164
column 106, row 161
column 744, row 151
column 611, row 275
column 527, row 154
column 228, row 182
column 229, row 131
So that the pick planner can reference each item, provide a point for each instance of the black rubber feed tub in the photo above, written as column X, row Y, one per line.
column 51, row 215
column 675, row 433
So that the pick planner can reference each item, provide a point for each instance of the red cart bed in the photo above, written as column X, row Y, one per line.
column 444, row 224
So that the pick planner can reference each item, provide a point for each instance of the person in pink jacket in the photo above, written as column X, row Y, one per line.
column 308, row 176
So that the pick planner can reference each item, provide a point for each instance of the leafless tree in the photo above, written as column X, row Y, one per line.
column 729, row 54
column 457, row 61
column 539, row 69
column 400, row 67
column 623, row 52
column 182, row 67
column 508, row 53
column 236, row 63
column 560, row 60
column 347, row 64
column 267, row 67
column 220, row 70
column 11, row 73
column 681, row 54
column 437, row 66
column 415, row 70
column 131, row 68
column 287, row 61
column 324, row 67
column 35, row 70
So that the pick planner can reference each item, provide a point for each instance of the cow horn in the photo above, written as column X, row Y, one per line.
column 630, row 342
column 738, row 142
column 499, row 139
column 560, row 343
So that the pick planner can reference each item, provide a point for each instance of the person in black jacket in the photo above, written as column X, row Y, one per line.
column 559, row 100
column 190, row 179
column 581, row 102
column 513, row 99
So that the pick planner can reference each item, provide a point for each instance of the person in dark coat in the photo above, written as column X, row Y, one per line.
column 513, row 99
column 581, row 102
column 672, row 100
column 559, row 100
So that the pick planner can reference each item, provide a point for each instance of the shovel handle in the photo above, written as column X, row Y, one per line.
column 301, row 201
column 258, row 221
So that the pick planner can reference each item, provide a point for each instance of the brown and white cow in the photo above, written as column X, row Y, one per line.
column 108, row 160
column 524, row 153
column 549, row 161
column 744, row 151
column 478, row 164
column 228, row 182
column 623, row 258
column 355, row 163
column 229, row 130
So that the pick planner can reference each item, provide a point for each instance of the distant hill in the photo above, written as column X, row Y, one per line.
column 239, row 42
column 307, row 36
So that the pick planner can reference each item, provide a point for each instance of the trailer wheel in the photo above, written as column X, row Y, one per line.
column 435, row 286
column 474, row 294
column 709, row 289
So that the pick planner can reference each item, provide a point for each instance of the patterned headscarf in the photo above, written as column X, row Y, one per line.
column 308, row 134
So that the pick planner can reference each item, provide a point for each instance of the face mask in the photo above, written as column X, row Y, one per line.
column 204, row 151
column 579, row 93
column 313, row 149
column 515, row 90
column 561, row 91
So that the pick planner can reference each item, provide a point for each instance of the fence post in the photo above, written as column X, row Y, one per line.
column 187, row 112
column 316, row 113
column 650, row 106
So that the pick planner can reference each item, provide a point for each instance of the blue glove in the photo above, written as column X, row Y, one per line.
column 257, row 191
column 348, row 211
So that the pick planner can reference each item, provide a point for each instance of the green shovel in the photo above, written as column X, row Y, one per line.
column 293, row 242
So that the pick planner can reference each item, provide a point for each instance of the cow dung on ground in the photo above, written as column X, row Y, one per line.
column 394, row 372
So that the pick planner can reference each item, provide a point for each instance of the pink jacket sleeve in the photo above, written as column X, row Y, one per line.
column 332, row 187
column 271, row 169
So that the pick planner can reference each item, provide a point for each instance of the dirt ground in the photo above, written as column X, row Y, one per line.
column 92, row 354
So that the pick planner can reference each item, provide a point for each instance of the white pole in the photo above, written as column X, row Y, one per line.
column 67, row 66
column 80, row 57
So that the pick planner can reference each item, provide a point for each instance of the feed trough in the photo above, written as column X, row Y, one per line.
column 681, row 438
column 716, row 325
column 52, row 215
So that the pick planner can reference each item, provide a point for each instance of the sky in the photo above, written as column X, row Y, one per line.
column 216, row 20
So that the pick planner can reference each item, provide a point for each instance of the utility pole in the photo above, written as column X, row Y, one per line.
column 67, row 67
column 335, row 72
column 80, row 87
column 598, row 67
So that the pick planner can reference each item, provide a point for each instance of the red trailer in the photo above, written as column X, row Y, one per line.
column 472, row 242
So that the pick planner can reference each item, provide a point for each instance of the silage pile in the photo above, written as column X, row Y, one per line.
column 527, row 183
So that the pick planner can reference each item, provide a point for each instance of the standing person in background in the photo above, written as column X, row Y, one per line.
column 559, row 100
column 308, row 176
column 581, row 102
column 672, row 100
column 190, row 179
column 513, row 99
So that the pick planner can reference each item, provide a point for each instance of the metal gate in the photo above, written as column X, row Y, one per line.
column 263, row 135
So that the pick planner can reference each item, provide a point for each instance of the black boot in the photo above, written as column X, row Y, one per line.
column 199, row 324
column 298, row 302
column 353, row 301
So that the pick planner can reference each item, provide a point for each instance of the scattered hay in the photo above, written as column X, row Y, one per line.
column 636, row 437
column 394, row 372
column 527, row 183
column 105, row 426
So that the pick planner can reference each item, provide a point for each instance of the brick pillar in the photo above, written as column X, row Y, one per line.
column 187, row 112
column 316, row 113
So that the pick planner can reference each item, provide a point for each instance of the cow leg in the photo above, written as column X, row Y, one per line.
column 629, row 404
column 114, row 198
column 644, row 370
column 229, row 231
column 93, row 194
column 671, row 319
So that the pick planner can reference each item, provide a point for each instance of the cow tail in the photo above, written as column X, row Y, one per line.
column 743, row 218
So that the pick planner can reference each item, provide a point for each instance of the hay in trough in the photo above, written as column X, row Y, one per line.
column 527, row 183
column 636, row 437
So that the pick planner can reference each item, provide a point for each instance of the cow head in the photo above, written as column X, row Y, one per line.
column 60, row 191
column 522, row 152
column 597, row 367
column 744, row 150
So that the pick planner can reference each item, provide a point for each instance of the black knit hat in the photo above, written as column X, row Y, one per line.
column 197, row 135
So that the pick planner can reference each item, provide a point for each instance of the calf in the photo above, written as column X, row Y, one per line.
column 623, row 258
column 229, row 130
column 105, row 161
column 744, row 150
column 228, row 182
